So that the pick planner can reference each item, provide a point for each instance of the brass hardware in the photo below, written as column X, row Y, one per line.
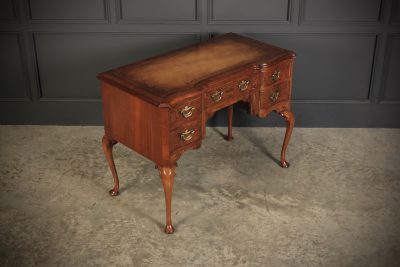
column 187, row 111
column 217, row 96
column 274, row 96
column 187, row 135
column 243, row 84
column 276, row 75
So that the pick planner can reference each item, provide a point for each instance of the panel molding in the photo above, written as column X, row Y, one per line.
column 367, row 100
column 121, row 20
column 23, row 62
column 15, row 19
column 385, row 75
column 43, row 98
column 105, row 20
column 394, row 17
column 211, row 20
column 198, row 34
column 340, row 22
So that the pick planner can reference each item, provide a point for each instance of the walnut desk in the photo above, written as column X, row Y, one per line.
column 159, row 107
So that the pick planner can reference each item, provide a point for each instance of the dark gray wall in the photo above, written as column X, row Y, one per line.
column 347, row 72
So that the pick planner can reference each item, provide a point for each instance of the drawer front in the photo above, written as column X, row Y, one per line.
column 219, row 95
column 185, row 135
column 274, row 94
column 186, row 111
column 278, row 73
column 244, row 81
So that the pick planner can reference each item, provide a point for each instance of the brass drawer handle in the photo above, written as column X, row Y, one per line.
column 276, row 75
column 243, row 84
column 274, row 96
column 187, row 135
column 187, row 111
column 217, row 96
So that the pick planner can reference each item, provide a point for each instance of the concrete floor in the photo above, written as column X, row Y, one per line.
column 337, row 205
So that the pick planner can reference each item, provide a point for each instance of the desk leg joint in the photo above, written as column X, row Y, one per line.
column 288, row 116
column 167, row 175
column 107, row 148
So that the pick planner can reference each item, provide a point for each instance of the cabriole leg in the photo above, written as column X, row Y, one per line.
column 289, row 119
column 167, row 175
column 107, row 148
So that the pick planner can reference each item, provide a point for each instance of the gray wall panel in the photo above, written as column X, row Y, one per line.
column 68, row 63
column 396, row 12
column 12, row 73
column 328, row 66
column 341, row 10
column 346, row 72
column 251, row 10
column 392, row 84
column 6, row 10
column 67, row 9
column 156, row 10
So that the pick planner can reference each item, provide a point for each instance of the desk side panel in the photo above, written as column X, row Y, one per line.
column 136, row 123
column 275, row 87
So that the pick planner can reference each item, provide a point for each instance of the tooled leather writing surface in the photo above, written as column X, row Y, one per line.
column 181, row 70
column 184, row 69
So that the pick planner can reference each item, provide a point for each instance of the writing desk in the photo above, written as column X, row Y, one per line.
column 159, row 107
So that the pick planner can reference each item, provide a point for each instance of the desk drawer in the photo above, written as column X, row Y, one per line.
column 185, row 111
column 275, row 94
column 244, row 81
column 277, row 73
column 219, row 95
column 185, row 135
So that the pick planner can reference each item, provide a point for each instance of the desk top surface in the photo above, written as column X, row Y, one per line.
column 183, row 69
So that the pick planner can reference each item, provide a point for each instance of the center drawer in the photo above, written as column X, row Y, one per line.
column 219, row 95
column 233, row 87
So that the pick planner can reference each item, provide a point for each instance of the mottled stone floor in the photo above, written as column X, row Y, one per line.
column 337, row 205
